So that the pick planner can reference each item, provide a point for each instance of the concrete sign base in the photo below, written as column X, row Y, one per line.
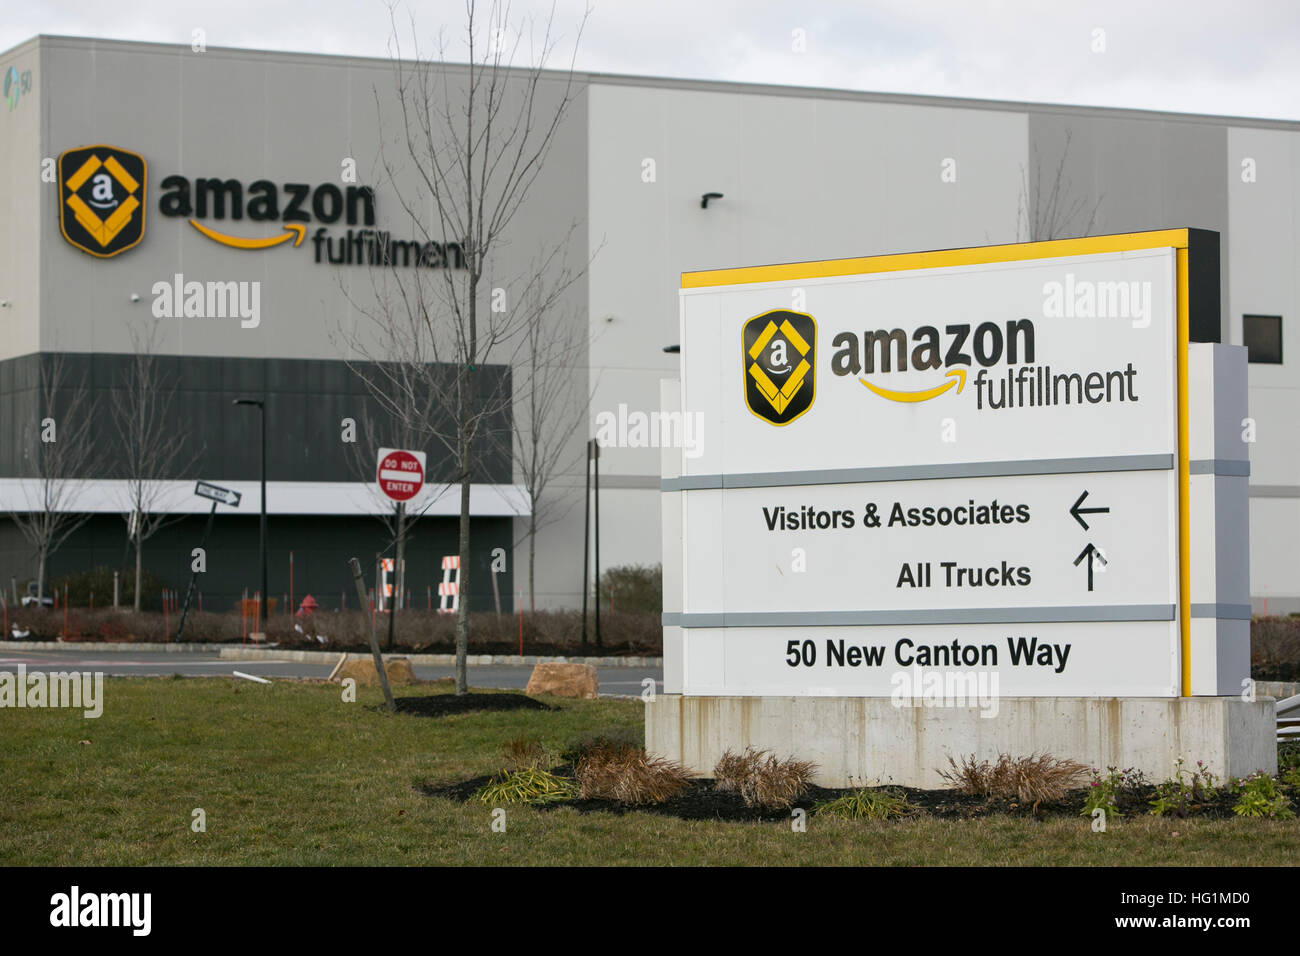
column 869, row 741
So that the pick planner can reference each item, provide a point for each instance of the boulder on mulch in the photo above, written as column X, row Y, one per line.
column 362, row 670
column 564, row 680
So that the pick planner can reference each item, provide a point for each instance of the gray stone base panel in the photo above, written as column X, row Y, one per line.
column 868, row 741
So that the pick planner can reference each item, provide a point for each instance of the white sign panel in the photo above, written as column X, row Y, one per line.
column 1066, row 358
column 970, row 543
column 977, row 456
column 920, row 663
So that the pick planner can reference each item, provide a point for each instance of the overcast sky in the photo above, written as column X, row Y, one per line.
column 1193, row 56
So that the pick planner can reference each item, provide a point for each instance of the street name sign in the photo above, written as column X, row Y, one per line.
column 213, row 492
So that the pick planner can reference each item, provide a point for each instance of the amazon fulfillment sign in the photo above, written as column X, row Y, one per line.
column 104, row 198
column 952, row 462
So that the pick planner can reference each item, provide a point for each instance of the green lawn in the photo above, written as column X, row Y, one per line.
column 289, row 774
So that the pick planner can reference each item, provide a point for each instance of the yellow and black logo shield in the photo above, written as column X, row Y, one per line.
column 102, row 199
column 780, row 360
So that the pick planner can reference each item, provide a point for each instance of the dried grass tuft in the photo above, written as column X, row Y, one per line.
column 1034, row 779
column 629, row 775
column 733, row 769
column 761, row 779
column 523, row 752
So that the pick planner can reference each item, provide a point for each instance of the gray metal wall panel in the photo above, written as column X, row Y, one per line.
column 321, row 546
column 304, row 437
column 1137, row 174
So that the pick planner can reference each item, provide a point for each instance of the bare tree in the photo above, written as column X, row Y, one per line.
column 151, row 454
column 550, row 411
column 1051, row 209
column 471, row 143
column 58, row 452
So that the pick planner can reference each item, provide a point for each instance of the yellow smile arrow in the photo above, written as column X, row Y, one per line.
column 925, row 394
column 295, row 231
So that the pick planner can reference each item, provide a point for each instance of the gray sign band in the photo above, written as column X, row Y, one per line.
column 1225, row 467
column 970, row 469
column 976, row 615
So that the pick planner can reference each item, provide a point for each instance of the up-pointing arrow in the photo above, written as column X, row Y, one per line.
column 1089, row 552
column 1076, row 512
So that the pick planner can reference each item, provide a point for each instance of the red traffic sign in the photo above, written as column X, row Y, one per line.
column 400, row 473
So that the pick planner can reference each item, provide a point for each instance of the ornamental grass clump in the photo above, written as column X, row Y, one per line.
column 528, row 785
column 1033, row 779
column 733, row 769
column 762, row 780
column 864, row 804
column 629, row 775
column 523, row 752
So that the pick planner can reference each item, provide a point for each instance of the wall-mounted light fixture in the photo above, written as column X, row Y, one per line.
column 704, row 200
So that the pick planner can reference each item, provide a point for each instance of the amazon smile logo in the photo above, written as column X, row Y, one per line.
column 882, row 352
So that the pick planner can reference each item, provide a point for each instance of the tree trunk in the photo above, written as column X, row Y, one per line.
column 532, row 555
column 139, row 564
column 40, row 578
column 462, row 613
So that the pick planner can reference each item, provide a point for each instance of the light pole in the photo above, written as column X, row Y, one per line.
column 266, row 594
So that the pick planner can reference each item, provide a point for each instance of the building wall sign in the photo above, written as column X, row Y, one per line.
column 102, row 196
column 102, row 212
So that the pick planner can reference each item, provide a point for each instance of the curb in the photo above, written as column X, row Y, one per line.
column 238, row 652
column 104, row 646
column 229, row 653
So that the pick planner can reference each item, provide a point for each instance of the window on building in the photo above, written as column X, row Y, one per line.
column 1262, row 335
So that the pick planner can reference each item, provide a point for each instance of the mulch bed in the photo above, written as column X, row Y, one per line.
column 700, row 801
column 443, row 705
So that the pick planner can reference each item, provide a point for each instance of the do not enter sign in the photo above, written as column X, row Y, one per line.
column 401, row 473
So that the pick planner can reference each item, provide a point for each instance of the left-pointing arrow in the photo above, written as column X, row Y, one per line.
column 1077, row 512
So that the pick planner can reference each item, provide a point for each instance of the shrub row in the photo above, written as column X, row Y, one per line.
column 414, row 630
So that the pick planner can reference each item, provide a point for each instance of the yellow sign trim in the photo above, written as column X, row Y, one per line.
column 975, row 255
column 1184, row 476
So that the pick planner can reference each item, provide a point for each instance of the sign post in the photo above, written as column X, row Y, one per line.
column 400, row 474
column 217, row 495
